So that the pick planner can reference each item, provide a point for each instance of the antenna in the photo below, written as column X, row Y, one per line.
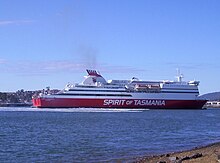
column 179, row 75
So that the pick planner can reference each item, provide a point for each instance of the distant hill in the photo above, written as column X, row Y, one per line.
column 214, row 96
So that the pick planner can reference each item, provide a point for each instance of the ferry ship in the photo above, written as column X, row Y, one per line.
column 96, row 92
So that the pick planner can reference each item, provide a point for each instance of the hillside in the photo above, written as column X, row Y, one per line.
column 214, row 96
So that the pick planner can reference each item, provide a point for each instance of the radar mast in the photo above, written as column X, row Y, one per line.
column 179, row 75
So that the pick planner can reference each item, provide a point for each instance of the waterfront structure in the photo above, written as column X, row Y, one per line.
column 213, row 104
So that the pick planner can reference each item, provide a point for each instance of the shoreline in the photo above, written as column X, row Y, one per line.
column 15, row 105
column 201, row 154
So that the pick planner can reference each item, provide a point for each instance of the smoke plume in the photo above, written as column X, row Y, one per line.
column 88, row 56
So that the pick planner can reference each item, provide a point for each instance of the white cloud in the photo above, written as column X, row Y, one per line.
column 190, row 65
column 50, row 67
column 2, row 61
column 16, row 22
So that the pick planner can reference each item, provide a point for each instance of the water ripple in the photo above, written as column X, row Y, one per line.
column 99, row 135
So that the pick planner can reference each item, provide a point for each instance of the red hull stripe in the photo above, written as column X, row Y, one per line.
column 118, row 103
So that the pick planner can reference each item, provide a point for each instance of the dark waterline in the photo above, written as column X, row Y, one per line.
column 88, row 135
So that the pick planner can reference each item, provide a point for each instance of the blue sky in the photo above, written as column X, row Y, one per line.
column 52, row 42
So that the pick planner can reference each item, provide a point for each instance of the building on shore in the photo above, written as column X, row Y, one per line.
column 213, row 104
column 21, row 97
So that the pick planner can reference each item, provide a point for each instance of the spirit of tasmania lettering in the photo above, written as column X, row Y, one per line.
column 115, row 102
column 149, row 102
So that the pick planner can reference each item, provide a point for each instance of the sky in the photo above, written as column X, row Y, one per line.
column 52, row 42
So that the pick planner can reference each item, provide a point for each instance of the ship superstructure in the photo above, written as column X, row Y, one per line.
column 96, row 92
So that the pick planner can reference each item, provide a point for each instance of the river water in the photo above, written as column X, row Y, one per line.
column 101, row 135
